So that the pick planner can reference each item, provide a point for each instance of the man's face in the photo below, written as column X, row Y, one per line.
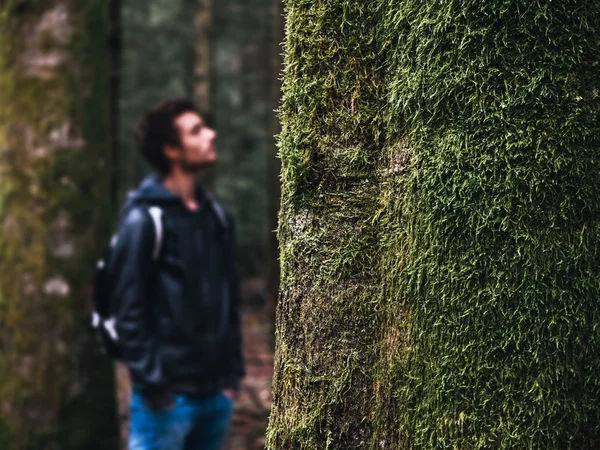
column 197, row 142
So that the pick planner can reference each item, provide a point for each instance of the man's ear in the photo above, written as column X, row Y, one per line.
column 172, row 152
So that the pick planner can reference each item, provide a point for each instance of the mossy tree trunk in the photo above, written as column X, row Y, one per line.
column 55, row 391
column 439, row 229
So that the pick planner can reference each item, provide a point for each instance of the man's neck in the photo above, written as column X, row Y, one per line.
column 184, row 185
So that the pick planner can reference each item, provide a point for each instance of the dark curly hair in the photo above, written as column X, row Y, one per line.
column 157, row 129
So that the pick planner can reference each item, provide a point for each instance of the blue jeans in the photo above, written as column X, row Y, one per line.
column 194, row 423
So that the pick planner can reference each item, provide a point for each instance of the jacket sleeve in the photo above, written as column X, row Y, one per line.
column 235, row 318
column 132, row 265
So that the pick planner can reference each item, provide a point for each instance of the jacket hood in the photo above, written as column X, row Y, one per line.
column 152, row 190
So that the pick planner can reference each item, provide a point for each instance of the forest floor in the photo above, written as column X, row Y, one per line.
column 254, row 402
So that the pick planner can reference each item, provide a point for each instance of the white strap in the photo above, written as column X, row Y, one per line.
column 111, row 329
column 156, row 214
column 96, row 319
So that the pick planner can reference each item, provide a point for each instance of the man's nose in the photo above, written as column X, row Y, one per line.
column 212, row 134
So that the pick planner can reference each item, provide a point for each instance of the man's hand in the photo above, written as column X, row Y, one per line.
column 159, row 401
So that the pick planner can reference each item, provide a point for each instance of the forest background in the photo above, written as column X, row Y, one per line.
column 440, row 211
column 75, row 77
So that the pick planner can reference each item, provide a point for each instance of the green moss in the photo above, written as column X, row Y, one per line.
column 439, row 221
column 501, row 273
column 327, row 320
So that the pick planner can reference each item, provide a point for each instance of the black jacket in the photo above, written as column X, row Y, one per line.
column 177, row 317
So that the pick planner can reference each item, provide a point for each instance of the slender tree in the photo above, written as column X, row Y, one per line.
column 202, row 85
column 439, row 229
column 55, row 160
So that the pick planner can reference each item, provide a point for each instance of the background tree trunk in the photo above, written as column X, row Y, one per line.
column 439, row 226
column 55, row 163
column 158, row 61
column 243, row 81
column 202, row 84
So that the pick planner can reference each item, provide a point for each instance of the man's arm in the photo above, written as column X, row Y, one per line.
column 132, row 264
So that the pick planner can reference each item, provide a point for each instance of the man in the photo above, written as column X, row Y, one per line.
column 177, row 306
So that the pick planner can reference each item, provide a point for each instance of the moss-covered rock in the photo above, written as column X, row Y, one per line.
column 54, row 211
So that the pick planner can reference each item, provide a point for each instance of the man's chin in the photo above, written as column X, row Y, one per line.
column 194, row 167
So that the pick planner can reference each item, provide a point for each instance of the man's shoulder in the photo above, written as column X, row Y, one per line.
column 137, row 218
column 136, row 215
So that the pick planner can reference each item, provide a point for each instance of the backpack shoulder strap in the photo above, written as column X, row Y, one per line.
column 219, row 211
column 156, row 214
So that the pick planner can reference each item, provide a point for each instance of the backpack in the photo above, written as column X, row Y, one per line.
column 103, row 321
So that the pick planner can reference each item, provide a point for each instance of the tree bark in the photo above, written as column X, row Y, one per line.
column 328, row 329
column 440, row 266
column 55, row 158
